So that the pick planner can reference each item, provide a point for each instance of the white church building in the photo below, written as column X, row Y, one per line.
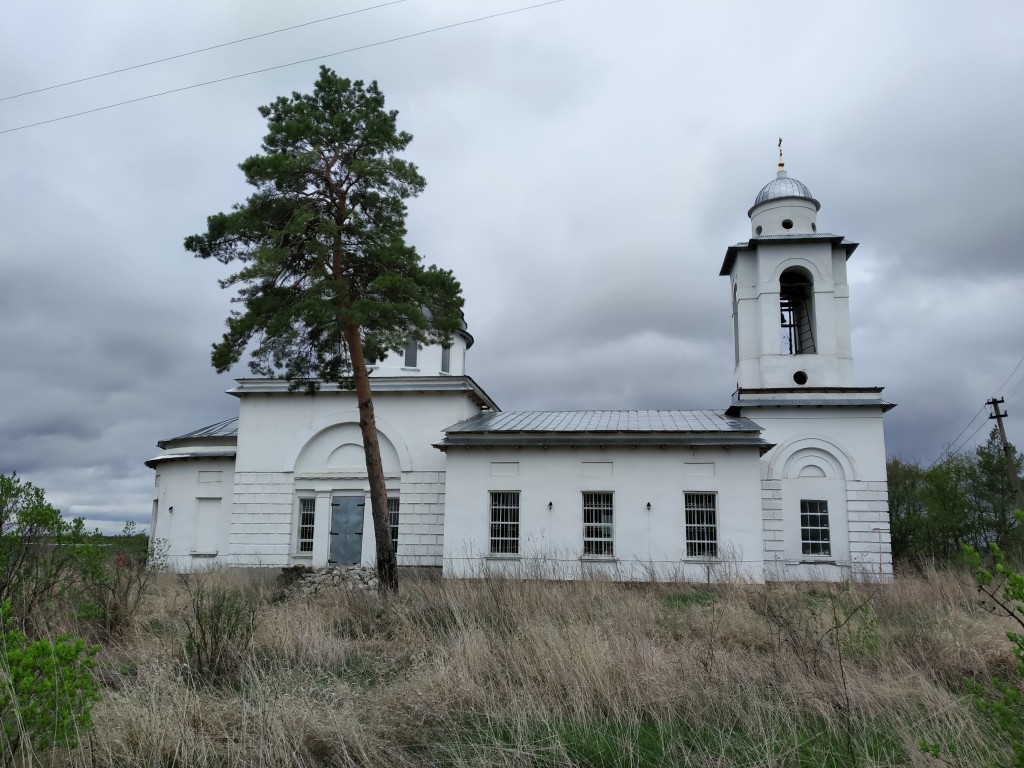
column 786, row 483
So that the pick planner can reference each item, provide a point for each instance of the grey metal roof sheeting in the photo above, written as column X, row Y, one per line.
column 226, row 428
column 592, row 440
column 604, row 422
column 190, row 455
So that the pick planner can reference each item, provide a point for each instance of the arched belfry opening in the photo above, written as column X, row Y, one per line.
column 796, row 301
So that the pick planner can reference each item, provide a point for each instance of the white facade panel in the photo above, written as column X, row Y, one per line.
column 648, row 542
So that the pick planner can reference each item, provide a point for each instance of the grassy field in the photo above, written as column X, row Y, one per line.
column 530, row 673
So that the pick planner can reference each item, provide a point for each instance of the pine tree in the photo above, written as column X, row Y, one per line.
column 326, row 280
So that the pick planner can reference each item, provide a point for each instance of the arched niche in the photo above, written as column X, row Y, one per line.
column 792, row 458
column 339, row 448
column 813, row 462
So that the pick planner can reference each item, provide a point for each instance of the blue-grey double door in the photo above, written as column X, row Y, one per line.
column 346, row 530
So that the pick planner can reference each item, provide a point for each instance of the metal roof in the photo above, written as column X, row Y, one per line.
column 604, row 422
column 783, row 186
column 377, row 384
column 151, row 463
column 598, row 440
column 226, row 428
column 885, row 405
column 733, row 250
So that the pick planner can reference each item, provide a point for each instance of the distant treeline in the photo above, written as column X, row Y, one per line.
column 964, row 498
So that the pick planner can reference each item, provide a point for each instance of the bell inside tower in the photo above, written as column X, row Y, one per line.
column 796, row 300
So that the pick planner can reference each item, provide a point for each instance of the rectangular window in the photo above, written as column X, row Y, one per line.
column 814, row 536
column 411, row 348
column 701, row 525
column 393, row 522
column 446, row 359
column 504, row 522
column 307, row 516
column 597, row 523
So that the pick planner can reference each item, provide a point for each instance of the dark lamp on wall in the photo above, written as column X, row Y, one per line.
column 550, row 506
column 648, row 506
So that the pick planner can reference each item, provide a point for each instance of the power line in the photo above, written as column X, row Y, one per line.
column 953, row 442
column 1011, row 374
column 950, row 448
column 281, row 66
column 976, row 431
column 198, row 50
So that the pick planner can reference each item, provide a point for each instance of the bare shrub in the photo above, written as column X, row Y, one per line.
column 220, row 622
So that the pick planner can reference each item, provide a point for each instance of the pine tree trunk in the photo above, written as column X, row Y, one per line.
column 387, row 563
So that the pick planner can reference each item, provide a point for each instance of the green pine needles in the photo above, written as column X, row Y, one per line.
column 320, row 244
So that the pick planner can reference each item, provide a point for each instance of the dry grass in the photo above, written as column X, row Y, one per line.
column 529, row 673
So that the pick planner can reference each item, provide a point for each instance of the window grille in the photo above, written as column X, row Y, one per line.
column 597, row 523
column 307, row 516
column 701, row 525
column 393, row 522
column 814, row 536
column 504, row 522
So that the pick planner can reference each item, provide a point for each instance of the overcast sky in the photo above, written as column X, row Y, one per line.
column 588, row 163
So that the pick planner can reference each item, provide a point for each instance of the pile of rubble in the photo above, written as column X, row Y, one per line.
column 302, row 580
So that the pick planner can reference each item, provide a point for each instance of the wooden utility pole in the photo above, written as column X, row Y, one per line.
column 1011, row 464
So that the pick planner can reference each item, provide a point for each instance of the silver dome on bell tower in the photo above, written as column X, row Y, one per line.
column 784, row 206
column 783, row 186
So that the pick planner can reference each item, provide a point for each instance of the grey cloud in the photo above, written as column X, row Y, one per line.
column 586, row 172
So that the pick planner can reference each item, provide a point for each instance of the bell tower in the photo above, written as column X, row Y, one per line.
column 790, row 295
column 823, row 483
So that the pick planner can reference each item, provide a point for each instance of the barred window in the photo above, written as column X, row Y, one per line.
column 814, row 537
column 597, row 523
column 393, row 522
column 701, row 525
column 504, row 522
column 307, row 515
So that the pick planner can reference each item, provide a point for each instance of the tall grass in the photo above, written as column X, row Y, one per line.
column 499, row 672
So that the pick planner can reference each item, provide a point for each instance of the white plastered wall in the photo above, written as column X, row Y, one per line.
column 847, row 445
column 192, row 510
column 292, row 445
column 755, row 282
column 647, row 543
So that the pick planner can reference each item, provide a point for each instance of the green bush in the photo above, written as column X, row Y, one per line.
column 46, row 688
column 40, row 553
column 1003, row 703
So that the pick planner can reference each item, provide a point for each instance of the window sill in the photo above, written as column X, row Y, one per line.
column 416, row 370
column 823, row 561
column 599, row 558
column 500, row 556
column 203, row 554
column 302, row 556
